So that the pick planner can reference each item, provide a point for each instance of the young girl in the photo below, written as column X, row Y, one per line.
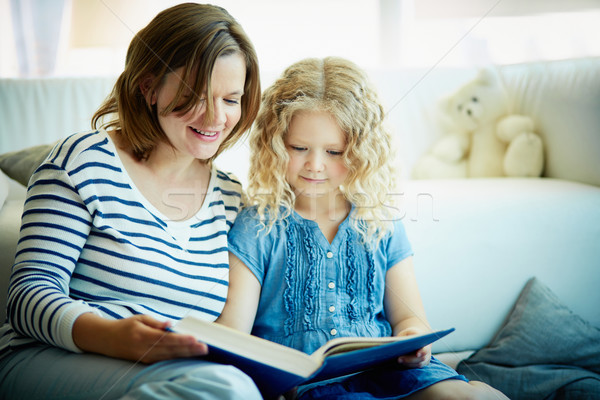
column 319, row 254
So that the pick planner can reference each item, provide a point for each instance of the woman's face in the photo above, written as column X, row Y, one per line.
column 188, row 133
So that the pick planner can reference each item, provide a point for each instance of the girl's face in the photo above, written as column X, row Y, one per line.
column 315, row 145
column 188, row 133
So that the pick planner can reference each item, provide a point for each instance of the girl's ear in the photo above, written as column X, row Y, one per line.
column 145, row 86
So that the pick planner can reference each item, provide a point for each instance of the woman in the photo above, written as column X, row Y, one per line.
column 124, row 229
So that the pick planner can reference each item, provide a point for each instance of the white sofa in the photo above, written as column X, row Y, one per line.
column 476, row 241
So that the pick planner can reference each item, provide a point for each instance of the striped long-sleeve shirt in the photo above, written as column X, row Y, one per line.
column 90, row 242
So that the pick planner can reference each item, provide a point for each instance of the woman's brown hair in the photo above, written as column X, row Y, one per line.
column 191, row 36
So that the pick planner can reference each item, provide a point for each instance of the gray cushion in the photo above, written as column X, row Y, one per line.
column 21, row 164
column 543, row 350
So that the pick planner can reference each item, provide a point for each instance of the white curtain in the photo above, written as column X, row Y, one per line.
column 37, row 26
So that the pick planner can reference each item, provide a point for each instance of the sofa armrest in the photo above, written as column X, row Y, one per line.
column 10, row 223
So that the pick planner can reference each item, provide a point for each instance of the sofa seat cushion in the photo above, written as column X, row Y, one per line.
column 10, row 222
column 478, row 241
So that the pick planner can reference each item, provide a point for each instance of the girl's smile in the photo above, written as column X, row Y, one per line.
column 314, row 180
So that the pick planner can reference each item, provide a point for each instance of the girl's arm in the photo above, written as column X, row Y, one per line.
column 242, row 297
column 404, row 309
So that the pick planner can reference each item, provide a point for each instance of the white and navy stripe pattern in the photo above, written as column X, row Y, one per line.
column 91, row 242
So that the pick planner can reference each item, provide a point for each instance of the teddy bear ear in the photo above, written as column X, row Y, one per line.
column 445, row 104
column 486, row 76
column 445, row 113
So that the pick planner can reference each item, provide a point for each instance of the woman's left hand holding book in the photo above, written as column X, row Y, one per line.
column 138, row 338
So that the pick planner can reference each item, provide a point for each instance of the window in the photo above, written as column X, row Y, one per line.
column 90, row 37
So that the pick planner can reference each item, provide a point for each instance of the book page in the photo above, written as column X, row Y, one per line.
column 345, row 347
column 248, row 346
column 345, row 344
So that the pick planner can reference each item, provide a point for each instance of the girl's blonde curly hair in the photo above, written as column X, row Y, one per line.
column 339, row 87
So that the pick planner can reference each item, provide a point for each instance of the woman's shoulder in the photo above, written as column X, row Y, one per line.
column 228, row 190
column 80, row 148
column 228, row 178
column 227, row 183
column 78, row 162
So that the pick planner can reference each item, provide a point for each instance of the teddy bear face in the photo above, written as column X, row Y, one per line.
column 468, row 111
column 478, row 102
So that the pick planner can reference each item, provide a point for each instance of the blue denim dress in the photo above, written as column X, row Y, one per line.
column 314, row 291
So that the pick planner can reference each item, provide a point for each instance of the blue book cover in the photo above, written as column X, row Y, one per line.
column 276, row 369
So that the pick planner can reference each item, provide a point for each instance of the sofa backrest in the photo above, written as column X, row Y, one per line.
column 563, row 98
column 40, row 111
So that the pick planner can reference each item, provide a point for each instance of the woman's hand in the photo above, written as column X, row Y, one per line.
column 138, row 338
column 419, row 358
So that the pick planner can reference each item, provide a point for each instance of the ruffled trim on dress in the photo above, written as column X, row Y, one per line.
column 288, row 298
column 352, row 271
column 371, row 284
column 314, row 260
column 300, row 234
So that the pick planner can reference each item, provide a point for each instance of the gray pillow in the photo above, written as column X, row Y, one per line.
column 21, row 164
column 543, row 350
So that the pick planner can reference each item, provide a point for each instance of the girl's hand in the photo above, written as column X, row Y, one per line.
column 419, row 358
column 138, row 338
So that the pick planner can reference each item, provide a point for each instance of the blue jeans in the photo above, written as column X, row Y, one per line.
column 45, row 372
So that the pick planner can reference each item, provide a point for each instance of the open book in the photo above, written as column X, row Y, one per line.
column 276, row 368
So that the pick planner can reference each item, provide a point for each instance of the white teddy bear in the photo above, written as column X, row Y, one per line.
column 481, row 138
